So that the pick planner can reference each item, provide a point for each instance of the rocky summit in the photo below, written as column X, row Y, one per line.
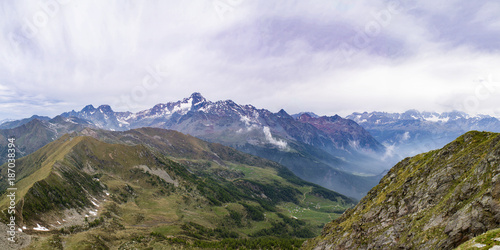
column 435, row 200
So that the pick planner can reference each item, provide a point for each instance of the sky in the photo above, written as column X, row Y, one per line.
column 328, row 57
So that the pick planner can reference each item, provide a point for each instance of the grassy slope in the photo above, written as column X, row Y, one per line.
column 465, row 153
column 482, row 242
column 36, row 167
column 228, row 190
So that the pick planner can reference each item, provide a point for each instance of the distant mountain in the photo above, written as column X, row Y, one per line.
column 311, row 114
column 16, row 123
column 435, row 200
column 102, row 117
column 36, row 133
column 152, row 187
column 413, row 132
column 330, row 151
column 197, row 116
column 6, row 120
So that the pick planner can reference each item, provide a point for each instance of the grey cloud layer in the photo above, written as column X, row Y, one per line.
column 327, row 56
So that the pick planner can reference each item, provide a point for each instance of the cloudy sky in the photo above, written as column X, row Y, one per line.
column 326, row 56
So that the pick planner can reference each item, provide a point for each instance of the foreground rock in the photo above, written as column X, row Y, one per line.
column 435, row 200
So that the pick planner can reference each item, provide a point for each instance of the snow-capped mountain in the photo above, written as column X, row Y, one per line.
column 102, row 117
column 197, row 116
column 414, row 132
column 324, row 150
column 411, row 115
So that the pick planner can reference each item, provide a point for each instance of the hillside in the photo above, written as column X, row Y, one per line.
column 35, row 133
column 164, row 188
column 488, row 240
column 435, row 200
column 299, row 162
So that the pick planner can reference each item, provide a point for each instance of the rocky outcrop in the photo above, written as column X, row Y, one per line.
column 435, row 200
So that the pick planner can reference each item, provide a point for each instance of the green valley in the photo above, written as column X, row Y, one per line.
column 160, row 189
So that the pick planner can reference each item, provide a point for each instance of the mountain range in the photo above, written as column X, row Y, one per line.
column 189, row 174
column 34, row 133
column 413, row 132
column 333, row 152
column 348, row 155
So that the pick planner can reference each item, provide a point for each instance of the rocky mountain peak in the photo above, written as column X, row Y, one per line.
column 283, row 114
column 197, row 98
column 304, row 117
column 105, row 109
column 311, row 114
column 88, row 108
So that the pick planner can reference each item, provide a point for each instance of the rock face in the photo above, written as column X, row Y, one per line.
column 435, row 200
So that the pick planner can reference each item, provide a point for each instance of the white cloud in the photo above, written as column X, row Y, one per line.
column 267, row 54
column 269, row 137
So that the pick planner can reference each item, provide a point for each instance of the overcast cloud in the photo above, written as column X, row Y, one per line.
column 329, row 57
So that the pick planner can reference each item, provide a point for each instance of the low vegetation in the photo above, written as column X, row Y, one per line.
column 214, row 197
column 435, row 200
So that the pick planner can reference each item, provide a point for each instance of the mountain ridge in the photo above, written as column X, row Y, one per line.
column 111, row 178
column 330, row 151
column 414, row 132
column 435, row 200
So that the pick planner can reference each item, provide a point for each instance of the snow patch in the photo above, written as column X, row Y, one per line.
column 122, row 122
column 204, row 109
column 95, row 204
column 478, row 245
column 269, row 137
column 183, row 107
column 40, row 228
column 70, row 121
column 245, row 119
column 435, row 118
